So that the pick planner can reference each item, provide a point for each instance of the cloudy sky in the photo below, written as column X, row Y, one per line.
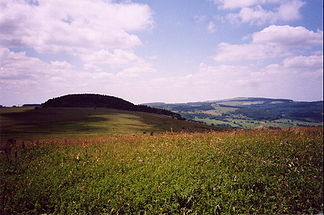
column 161, row 50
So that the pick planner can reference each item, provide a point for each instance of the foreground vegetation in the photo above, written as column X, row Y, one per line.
column 233, row 172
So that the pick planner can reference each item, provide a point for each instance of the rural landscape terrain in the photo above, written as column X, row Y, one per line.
column 164, row 107
column 250, row 112
column 93, row 154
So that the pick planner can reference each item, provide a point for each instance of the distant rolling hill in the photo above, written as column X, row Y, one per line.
column 91, row 115
column 250, row 112
column 96, row 100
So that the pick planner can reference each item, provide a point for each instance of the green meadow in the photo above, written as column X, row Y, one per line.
column 30, row 123
column 80, row 165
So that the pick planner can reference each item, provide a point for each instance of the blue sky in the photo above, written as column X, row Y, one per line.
column 161, row 50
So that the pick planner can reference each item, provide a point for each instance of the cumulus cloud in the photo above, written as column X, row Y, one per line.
column 24, row 78
column 52, row 26
column 276, row 61
column 310, row 63
column 18, row 66
column 288, row 36
column 125, row 61
column 99, row 34
column 270, row 43
column 300, row 65
column 298, row 73
column 253, row 11
column 78, row 46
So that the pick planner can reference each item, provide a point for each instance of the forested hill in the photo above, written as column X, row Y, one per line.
column 96, row 100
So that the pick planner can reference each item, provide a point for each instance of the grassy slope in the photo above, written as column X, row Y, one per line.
column 262, row 172
column 30, row 123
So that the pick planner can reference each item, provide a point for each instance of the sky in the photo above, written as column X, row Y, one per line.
column 161, row 50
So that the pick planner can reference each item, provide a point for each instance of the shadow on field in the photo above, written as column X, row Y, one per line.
column 29, row 123
column 50, row 121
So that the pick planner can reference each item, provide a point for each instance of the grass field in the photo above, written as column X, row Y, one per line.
column 99, row 161
column 263, row 172
column 27, row 122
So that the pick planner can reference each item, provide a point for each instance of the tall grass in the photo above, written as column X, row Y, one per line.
column 263, row 172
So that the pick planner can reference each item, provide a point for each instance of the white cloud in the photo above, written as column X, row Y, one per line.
column 288, row 36
column 116, row 57
column 270, row 43
column 99, row 34
column 124, row 61
column 292, row 74
column 304, row 64
column 211, row 27
column 18, row 66
column 255, row 16
column 61, row 65
column 98, row 40
column 289, row 11
column 297, row 65
column 278, row 61
column 53, row 26
column 209, row 82
column 300, row 73
column 28, row 79
column 253, row 11
column 250, row 51
column 30, row 76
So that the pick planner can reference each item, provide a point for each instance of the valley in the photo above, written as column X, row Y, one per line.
column 250, row 113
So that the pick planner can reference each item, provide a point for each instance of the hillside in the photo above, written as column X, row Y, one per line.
column 96, row 100
column 30, row 122
column 250, row 112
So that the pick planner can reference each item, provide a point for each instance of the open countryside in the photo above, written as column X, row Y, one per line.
column 164, row 107
column 111, row 161
column 250, row 112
